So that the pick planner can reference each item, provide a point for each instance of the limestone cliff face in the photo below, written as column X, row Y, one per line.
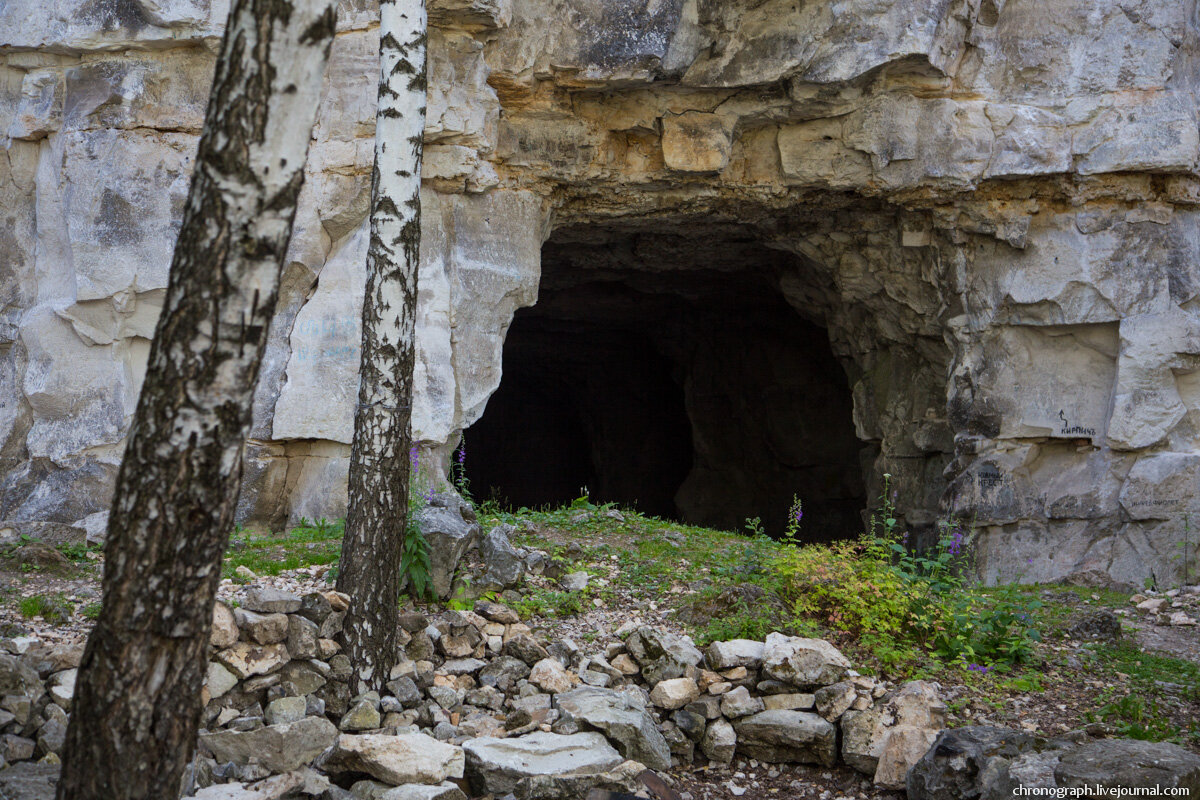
column 991, row 206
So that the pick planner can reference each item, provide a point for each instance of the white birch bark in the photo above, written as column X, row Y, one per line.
column 137, row 703
column 369, row 569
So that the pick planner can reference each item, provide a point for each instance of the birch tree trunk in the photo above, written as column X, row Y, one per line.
column 369, row 570
column 137, row 703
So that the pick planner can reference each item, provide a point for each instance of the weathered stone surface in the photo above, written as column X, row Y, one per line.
column 674, row 693
column 224, row 629
column 268, row 600
column 245, row 659
column 550, row 675
column 498, row 765
column 622, row 717
column 991, row 762
column 719, row 741
column 803, row 662
column 886, row 740
column 408, row 758
column 503, row 563
column 735, row 653
column 279, row 748
column 1000, row 216
column 449, row 536
column 29, row 781
column 787, row 736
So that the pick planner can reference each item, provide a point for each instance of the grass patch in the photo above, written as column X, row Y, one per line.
column 307, row 544
column 54, row 609
column 542, row 603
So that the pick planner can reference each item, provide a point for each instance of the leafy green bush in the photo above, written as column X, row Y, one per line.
column 878, row 591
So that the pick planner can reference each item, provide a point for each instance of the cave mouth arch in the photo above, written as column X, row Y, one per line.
column 663, row 369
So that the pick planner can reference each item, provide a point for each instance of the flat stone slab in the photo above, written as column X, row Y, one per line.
column 497, row 765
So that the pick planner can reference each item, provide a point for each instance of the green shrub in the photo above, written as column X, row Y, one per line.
column 897, row 602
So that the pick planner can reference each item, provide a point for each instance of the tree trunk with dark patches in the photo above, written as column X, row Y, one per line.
column 379, row 460
column 138, row 697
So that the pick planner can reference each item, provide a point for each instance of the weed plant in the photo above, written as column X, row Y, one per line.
column 900, row 603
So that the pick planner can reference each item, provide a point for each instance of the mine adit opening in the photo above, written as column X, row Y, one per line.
column 666, row 371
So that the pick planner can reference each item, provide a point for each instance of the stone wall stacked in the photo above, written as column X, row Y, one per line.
column 993, row 204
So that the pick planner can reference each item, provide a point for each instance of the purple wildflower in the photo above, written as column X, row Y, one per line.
column 429, row 495
column 956, row 542
column 460, row 455
column 981, row 669
column 414, row 456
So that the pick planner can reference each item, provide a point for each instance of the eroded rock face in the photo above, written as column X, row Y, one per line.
column 991, row 208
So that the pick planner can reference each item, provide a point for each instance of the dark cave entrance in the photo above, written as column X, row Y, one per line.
column 666, row 371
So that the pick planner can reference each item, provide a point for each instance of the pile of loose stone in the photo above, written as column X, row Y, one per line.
column 479, row 705
column 1178, row 607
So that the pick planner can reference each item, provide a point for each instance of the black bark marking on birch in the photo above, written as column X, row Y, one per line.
column 137, row 704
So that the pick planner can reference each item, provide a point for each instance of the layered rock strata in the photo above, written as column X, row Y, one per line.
column 990, row 206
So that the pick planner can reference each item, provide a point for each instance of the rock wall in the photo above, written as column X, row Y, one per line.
column 992, row 207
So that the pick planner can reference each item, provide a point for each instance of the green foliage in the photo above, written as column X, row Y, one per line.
column 307, row 544
column 414, row 549
column 1135, row 716
column 898, row 603
column 77, row 551
column 545, row 603
column 91, row 611
column 742, row 621
column 54, row 609
column 1029, row 682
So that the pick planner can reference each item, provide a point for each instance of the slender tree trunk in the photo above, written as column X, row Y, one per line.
column 379, row 460
column 137, row 703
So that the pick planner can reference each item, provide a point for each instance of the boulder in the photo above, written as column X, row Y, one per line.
column 496, row 766
column 623, row 718
column 276, row 787
column 1130, row 765
column 407, row 758
column 738, row 703
column 885, row 740
column 449, row 535
column 416, row 791
column 246, row 659
column 734, row 653
column 674, row 693
column 526, row 648
column 269, row 600
column 29, row 781
column 279, row 748
column 574, row 581
column 833, row 700
column 550, row 675
column 803, row 662
column 787, row 736
column 503, row 565
column 719, row 741
column 262, row 628
column 283, row 710
column 978, row 761
column 303, row 637
column 224, row 628
column 18, row 678
column 496, row 612
column 662, row 655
